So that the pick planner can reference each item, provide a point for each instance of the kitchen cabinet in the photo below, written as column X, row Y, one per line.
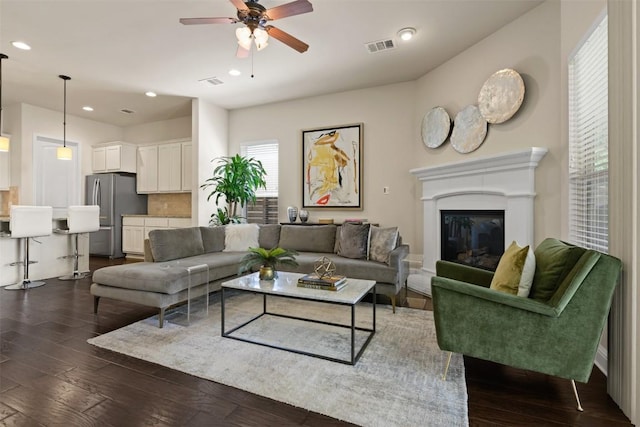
column 170, row 167
column 135, row 229
column 187, row 166
column 114, row 157
column 5, row 170
column 147, row 178
column 165, row 167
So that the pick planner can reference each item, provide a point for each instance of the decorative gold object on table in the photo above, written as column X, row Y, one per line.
column 324, row 267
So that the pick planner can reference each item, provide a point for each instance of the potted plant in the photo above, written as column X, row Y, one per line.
column 236, row 178
column 268, row 260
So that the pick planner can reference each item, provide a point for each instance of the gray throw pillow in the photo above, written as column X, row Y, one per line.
column 354, row 240
column 381, row 242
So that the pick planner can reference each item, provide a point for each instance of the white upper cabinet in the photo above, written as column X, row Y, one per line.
column 147, row 178
column 114, row 157
column 164, row 167
column 170, row 167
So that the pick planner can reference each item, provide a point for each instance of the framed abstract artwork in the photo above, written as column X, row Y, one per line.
column 332, row 167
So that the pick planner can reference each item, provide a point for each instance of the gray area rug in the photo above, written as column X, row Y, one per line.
column 397, row 381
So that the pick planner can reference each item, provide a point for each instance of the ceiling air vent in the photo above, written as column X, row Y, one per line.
column 213, row 81
column 127, row 111
column 380, row 45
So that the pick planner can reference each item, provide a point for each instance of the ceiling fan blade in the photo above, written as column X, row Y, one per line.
column 198, row 21
column 289, row 9
column 239, row 4
column 286, row 38
column 242, row 52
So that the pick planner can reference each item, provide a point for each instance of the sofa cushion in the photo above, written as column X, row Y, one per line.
column 381, row 242
column 241, row 237
column 269, row 236
column 554, row 260
column 509, row 271
column 308, row 238
column 167, row 245
column 354, row 240
column 212, row 239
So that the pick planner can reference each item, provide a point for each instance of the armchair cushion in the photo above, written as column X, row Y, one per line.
column 510, row 269
column 554, row 260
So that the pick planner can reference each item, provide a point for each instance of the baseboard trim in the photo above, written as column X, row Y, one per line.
column 601, row 359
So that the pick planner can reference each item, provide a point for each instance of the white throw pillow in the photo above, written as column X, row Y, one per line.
column 526, row 279
column 241, row 237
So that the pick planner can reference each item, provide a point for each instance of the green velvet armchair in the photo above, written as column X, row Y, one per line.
column 555, row 331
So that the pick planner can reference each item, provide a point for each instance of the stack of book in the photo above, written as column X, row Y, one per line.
column 327, row 283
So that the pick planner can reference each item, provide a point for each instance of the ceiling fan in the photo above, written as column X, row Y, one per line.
column 256, row 18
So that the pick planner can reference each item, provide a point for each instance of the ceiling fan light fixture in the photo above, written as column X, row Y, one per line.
column 407, row 33
column 260, row 36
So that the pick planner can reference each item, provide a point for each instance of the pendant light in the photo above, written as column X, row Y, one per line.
column 4, row 141
column 64, row 152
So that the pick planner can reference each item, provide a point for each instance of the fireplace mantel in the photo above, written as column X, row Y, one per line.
column 504, row 181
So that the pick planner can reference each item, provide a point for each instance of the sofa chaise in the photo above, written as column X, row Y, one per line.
column 162, row 279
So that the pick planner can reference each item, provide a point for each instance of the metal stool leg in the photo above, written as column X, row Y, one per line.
column 26, row 283
column 446, row 368
column 76, row 274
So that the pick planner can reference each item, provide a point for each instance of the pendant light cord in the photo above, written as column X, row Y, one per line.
column 2, row 56
column 64, row 116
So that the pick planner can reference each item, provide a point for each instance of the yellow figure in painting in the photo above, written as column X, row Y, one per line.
column 329, row 162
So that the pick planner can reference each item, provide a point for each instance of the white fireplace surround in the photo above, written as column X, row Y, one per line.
column 499, row 182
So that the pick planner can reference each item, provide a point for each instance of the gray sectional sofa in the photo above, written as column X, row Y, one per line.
column 162, row 279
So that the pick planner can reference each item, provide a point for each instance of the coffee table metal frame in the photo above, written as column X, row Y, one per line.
column 354, row 356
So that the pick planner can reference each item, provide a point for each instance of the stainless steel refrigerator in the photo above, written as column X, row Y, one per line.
column 116, row 195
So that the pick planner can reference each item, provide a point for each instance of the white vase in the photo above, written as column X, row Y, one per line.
column 304, row 215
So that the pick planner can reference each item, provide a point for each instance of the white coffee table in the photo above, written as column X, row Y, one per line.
column 285, row 286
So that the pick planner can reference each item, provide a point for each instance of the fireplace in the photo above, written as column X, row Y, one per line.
column 472, row 237
column 500, row 182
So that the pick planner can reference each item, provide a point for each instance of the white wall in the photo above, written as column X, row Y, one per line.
column 26, row 120
column 531, row 46
column 387, row 115
column 210, row 140
column 158, row 131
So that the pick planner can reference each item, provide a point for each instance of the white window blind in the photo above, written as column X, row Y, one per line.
column 267, row 153
column 588, row 142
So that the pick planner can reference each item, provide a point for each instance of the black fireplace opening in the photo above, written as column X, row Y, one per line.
column 472, row 237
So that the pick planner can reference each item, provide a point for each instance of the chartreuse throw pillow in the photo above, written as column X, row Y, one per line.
column 508, row 275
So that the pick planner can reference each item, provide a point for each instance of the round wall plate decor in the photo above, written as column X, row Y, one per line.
column 436, row 125
column 501, row 96
column 469, row 130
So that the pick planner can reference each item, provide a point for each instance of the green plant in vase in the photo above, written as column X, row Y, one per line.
column 268, row 260
column 236, row 178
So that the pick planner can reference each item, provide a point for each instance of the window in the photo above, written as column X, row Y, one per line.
column 265, row 210
column 588, row 142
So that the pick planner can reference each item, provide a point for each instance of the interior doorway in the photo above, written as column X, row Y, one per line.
column 56, row 182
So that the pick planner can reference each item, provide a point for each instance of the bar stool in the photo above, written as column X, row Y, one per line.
column 25, row 223
column 80, row 219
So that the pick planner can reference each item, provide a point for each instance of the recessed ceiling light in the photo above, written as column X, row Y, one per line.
column 21, row 45
column 234, row 72
column 151, row 94
column 407, row 34
column 87, row 108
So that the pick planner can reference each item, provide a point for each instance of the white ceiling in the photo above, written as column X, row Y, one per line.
column 115, row 50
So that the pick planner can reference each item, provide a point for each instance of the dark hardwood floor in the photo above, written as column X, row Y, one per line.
column 49, row 375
